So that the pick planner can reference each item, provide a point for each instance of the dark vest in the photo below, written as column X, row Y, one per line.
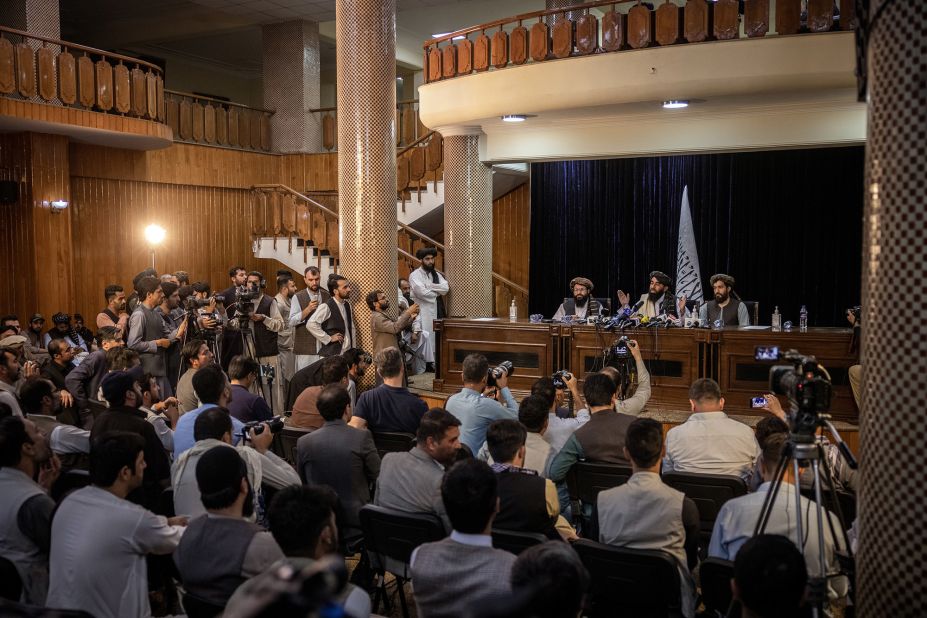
column 728, row 314
column 334, row 324
column 592, row 307
column 152, row 328
column 304, row 343
column 210, row 555
column 265, row 340
column 602, row 438
column 523, row 504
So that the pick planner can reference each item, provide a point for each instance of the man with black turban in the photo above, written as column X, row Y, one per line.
column 657, row 301
column 428, row 286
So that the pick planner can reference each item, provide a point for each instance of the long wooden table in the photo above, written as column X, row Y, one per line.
column 674, row 357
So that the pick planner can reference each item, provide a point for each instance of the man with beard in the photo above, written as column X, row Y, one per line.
column 84, row 380
column 428, row 286
column 385, row 330
column 63, row 330
column 581, row 305
column 332, row 324
column 657, row 301
column 286, row 289
column 114, row 314
column 726, row 306
column 167, row 310
column 302, row 306
column 34, row 335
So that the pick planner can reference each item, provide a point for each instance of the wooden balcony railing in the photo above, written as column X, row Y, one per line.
column 530, row 37
column 45, row 70
column 418, row 162
column 204, row 120
column 408, row 126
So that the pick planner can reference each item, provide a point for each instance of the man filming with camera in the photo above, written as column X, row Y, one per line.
column 476, row 411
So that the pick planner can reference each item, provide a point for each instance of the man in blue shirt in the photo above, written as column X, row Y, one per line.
column 212, row 388
column 390, row 406
column 475, row 410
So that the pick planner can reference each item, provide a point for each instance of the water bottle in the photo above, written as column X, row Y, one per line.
column 513, row 312
column 776, row 320
column 803, row 320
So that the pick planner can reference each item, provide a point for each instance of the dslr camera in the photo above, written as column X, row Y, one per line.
column 856, row 312
column 561, row 378
column 622, row 348
column 267, row 372
column 275, row 424
column 505, row 368
column 243, row 305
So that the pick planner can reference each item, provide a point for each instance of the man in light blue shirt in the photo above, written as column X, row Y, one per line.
column 476, row 411
column 212, row 388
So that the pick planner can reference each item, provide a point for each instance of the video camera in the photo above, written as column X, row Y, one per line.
column 275, row 424
column 505, row 368
column 561, row 378
column 244, row 295
column 856, row 312
column 806, row 383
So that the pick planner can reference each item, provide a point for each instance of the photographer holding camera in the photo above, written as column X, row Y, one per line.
column 634, row 404
column 474, row 411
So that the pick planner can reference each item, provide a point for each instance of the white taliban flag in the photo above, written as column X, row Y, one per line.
column 688, row 273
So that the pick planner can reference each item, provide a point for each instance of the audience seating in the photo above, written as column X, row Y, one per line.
column 9, row 609
column 390, row 538
column 845, row 499
column 637, row 583
column 200, row 608
column 393, row 442
column 68, row 482
column 285, row 443
column 514, row 541
column 584, row 481
column 715, row 577
column 709, row 492
column 11, row 586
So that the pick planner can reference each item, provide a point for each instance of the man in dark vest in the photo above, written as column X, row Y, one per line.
column 581, row 305
column 527, row 502
column 332, row 324
column 726, row 306
column 149, row 335
column 302, row 306
column 221, row 550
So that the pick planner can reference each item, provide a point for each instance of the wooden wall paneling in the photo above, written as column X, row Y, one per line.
column 668, row 18
column 613, row 31
column 511, row 245
column 848, row 18
column 331, row 236
column 698, row 24
column 288, row 216
column 139, row 94
column 562, row 36
column 151, row 91
column 756, row 18
column 233, row 126
column 640, row 27
column 328, row 131
column 266, row 143
column 820, row 15
column 519, row 40
column 788, row 16
column 255, row 121
column 500, row 49
column 16, row 231
column 303, row 222
column 407, row 124
column 434, row 64
column 199, row 121
column 244, row 129
column 47, row 74
column 104, row 79
column 186, row 119
column 7, row 67
column 726, row 20
column 481, row 53
column 587, row 34
column 464, row 57
column 86, row 92
column 209, row 124
column 25, row 70
column 123, row 95
column 275, row 211
column 449, row 61
column 540, row 41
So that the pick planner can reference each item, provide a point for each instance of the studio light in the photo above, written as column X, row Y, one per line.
column 56, row 205
column 154, row 234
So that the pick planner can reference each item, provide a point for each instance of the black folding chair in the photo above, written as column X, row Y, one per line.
column 514, row 541
column 709, row 492
column 286, row 440
column 11, row 586
column 393, row 442
column 584, row 481
column 715, row 577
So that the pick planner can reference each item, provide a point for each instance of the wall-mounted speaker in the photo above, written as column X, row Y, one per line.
column 9, row 191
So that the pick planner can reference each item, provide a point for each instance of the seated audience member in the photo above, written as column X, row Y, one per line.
column 61, row 364
column 213, row 428
column 302, row 520
column 100, row 539
column 194, row 355
column 551, row 580
column 245, row 405
column 629, row 404
column 41, row 403
column 765, row 427
column 737, row 519
column 26, row 509
column 602, row 438
column 390, row 406
column 62, row 329
column 162, row 415
column 83, row 383
column 10, row 374
column 561, row 422
column 463, row 568
column 770, row 577
column 301, row 380
column 222, row 549
column 338, row 455
column 212, row 389
column 475, row 411
column 527, row 502
column 333, row 370
column 357, row 361
column 533, row 413
column 645, row 513
column 120, row 389
column 411, row 482
column 709, row 442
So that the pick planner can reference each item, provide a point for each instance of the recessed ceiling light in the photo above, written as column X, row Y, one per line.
column 514, row 118
column 675, row 104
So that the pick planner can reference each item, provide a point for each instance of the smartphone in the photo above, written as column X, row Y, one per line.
column 766, row 352
column 757, row 402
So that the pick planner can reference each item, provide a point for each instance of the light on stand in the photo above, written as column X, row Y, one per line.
column 154, row 234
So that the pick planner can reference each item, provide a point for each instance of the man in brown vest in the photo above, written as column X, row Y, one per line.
column 302, row 306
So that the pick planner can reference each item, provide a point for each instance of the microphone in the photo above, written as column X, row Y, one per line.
column 637, row 306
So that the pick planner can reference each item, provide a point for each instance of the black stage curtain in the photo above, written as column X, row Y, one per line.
column 787, row 225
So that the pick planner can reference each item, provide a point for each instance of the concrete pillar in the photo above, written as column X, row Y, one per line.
column 291, row 75
column 366, row 94
column 38, row 17
column 467, row 225
column 893, row 493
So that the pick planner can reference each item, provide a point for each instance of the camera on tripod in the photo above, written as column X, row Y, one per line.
column 275, row 424
column 505, row 368
column 561, row 378
column 243, row 305
column 267, row 372
column 803, row 381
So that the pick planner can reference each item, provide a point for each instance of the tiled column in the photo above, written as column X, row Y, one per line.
column 291, row 73
column 467, row 225
column 557, row 4
column 39, row 17
column 366, row 94
column 893, row 494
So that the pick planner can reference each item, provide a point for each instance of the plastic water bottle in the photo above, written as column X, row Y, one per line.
column 513, row 312
column 776, row 320
column 803, row 320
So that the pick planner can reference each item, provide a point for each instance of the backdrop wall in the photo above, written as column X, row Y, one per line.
column 787, row 225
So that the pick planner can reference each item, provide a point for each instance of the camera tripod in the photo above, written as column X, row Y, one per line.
column 213, row 341
column 248, row 351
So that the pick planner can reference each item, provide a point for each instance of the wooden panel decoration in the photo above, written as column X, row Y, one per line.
column 613, row 31
column 640, row 27
column 562, row 36
column 46, row 61
column 820, row 15
column 151, row 85
column 788, row 16
column 173, row 116
column 698, row 17
column 288, row 223
column 725, row 16
column 328, row 131
column 756, row 18
column 265, row 132
column 587, row 34
column 481, row 53
column 67, row 78
column 500, row 49
column 121, row 88
column 848, row 19
column 159, row 95
column 233, row 126
column 7, row 67
column 434, row 152
column 104, row 75
column 303, row 222
column 464, row 56
column 139, row 95
column 222, row 126
column 407, row 125
column 85, row 93
column 667, row 21
column 244, row 129
column 402, row 173
column 540, row 41
column 519, row 40
column 199, row 121
column 449, row 61
column 416, row 163
column 434, row 64
column 276, row 212
column 255, row 129
column 186, row 119
column 209, row 124
column 25, row 70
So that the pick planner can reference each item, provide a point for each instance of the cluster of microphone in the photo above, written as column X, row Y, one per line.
column 630, row 318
